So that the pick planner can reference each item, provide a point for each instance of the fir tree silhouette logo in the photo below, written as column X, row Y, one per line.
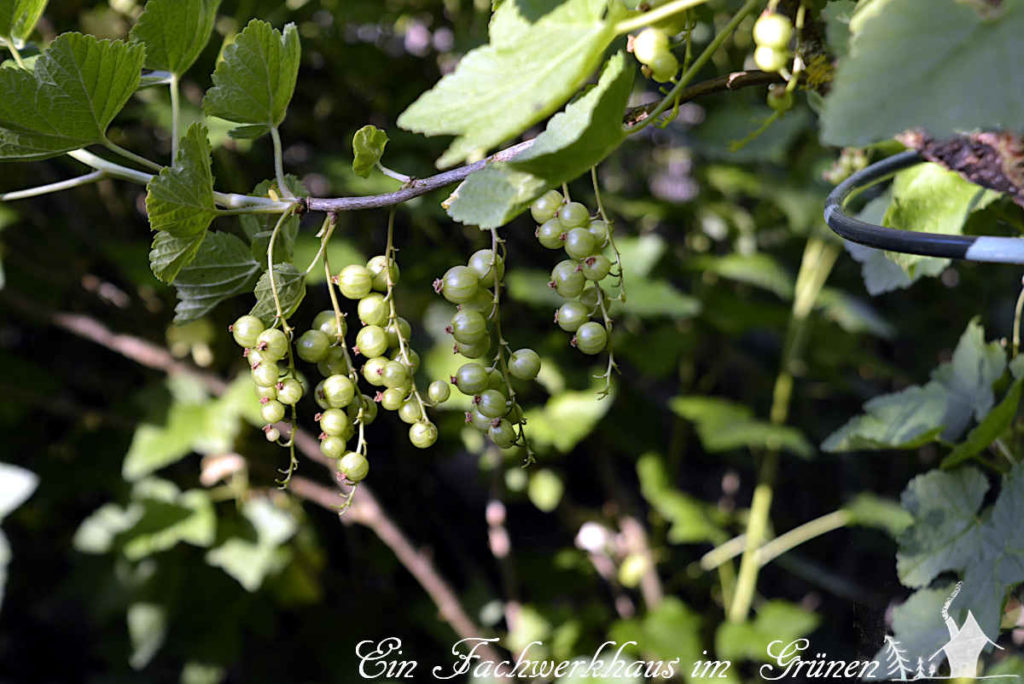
column 962, row 652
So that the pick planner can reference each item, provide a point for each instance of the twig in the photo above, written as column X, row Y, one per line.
column 365, row 510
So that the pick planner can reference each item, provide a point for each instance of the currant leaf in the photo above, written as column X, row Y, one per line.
column 175, row 32
column 291, row 289
column 180, row 199
column 368, row 147
column 222, row 268
column 723, row 425
column 170, row 254
column 77, row 87
column 19, row 17
column 255, row 80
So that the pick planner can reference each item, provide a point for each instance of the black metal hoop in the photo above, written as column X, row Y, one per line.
column 1000, row 250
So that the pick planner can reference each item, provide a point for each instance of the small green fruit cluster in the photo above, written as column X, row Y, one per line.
column 495, row 412
column 569, row 226
column 651, row 49
column 277, row 385
column 772, row 33
column 471, row 288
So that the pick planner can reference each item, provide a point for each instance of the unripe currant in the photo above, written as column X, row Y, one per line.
column 524, row 364
column 377, row 266
column 355, row 281
column 312, row 346
column 591, row 338
column 423, row 435
column 545, row 207
column 246, row 329
column 354, row 467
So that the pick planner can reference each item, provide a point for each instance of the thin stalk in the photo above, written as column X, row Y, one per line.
column 270, row 271
column 275, row 135
column 611, row 234
column 390, row 173
column 803, row 533
column 1016, row 322
column 325, row 232
column 815, row 268
column 697, row 65
column 608, row 325
column 53, row 187
column 131, row 156
column 112, row 169
column 15, row 53
column 175, row 115
column 655, row 15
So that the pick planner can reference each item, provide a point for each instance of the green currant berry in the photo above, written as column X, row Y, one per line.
column 664, row 67
column 399, row 326
column 488, row 266
column 272, row 411
column 395, row 375
column 372, row 341
column 438, row 392
column 573, row 215
column 269, row 392
column 246, row 329
column 491, row 403
column 600, row 230
column 265, row 374
column 289, row 391
column 373, row 310
column 780, row 98
column 368, row 407
column 423, row 435
column 327, row 323
column 591, row 338
column 515, row 414
column 478, row 420
column 579, row 243
column 410, row 411
column 648, row 44
column 468, row 326
column 567, row 279
column 773, row 31
column 503, row 434
column 571, row 315
column 596, row 267
column 471, row 378
column 319, row 397
column 355, row 281
column 354, row 467
column 459, row 285
column 338, row 391
column 589, row 299
column 312, row 346
column 770, row 59
column 332, row 446
column 524, row 364
column 334, row 363
column 373, row 370
column 546, row 207
column 410, row 359
column 377, row 266
column 393, row 398
column 271, row 433
column 334, row 422
column 551, row 234
column 495, row 380
column 273, row 344
column 474, row 350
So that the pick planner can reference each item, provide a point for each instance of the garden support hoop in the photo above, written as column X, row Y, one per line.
column 1001, row 250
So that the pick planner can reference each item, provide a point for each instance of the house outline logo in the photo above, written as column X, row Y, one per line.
column 962, row 652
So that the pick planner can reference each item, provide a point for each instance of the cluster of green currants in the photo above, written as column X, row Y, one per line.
column 278, row 387
column 475, row 290
column 569, row 226
column 651, row 49
column 772, row 33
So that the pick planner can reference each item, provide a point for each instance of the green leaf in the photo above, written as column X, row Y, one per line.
column 575, row 140
column 180, row 199
column 869, row 510
column 918, row 628
column 566, row 419
column 545, row 490
column 928, row 198
column 170, row 254
column 291, row 289
column 169, row 518
column 222, row 268
column 541, row 52
column 255, row 80
column 943, row 407
column 951, row 534
column 989, row 430
column 692, row 520
column 927, row 64
column 724, row 425
column 19, row 17
column 67, row 101
column 251, row 562
column 759, row 270
column 671, row 630
column 147, row 629
column 175, row 32
column 775, row 620
column 368, row 147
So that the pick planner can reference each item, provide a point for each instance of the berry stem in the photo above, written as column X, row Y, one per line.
column 608, row 325
column 131, row 156
column 698, row 64
column 325, row 232
column 15, row 53
column 275, row 136
column 611, row 234
column 270, row 270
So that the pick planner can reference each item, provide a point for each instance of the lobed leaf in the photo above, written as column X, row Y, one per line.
column 222, row 268
column 175, row 32
column 255, row 80
column 540, row 53
column 76, row 88
column 18, row 18
column 291, row 289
